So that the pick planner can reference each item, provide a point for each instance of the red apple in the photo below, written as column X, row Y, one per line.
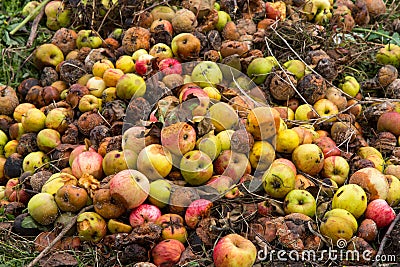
column 88, row 162
column 328, row 146
column 143, row 214
column 143, row 64
column 130, row 187
column 234, row 250
column 170, row 66
column 179, row 138
column 78, row 150
column 167, row 253
column 197, row 210
column 380, row 212
column 232, row 164
column 15, row 193
column 389, row 121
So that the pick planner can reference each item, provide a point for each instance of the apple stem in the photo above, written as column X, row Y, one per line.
column 87, row 144
column 31, row 15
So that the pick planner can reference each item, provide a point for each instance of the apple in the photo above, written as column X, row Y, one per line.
column 89, row 103
column 197, row 210
column 77, row 151
column 195, row 99
column 161, row 51
column 388, row 121
column 185, row 46
column 125, row 63
column 232, row 164
column 338, row 224
column 336, row 97
column 38, row 213
column 145, row 213
column 259, row 68
column 35, row 160
column 350, row 86
column 209, row 144
column 328, row 146
column 138, row 53
column 91, row 226
column 47, row 55
column 285, row 113
column 88, row 38
column 223, row 116
column 380, row 212
column 88, row 162
column 14, row 192
column 336, row 168
column 107, row 206
column 130, row 85
column 279, row 180
column 170, row 66
column 302, row 182
column 221, row 183
column 352, row 198
column 179, row 138
column 99, row 67
column 304, row 112
column 144, row 64
column 308, row 158
column 162, row 12
column 56, row 181
column 393, row 197
column 196, row 167
column 263, row 123
column 326, row 108
column 57, row 15
column 368, row 230
column 33, row 120
column 287, row 140
column 224, row 138
column 58, row 119
column 130, row 187
column 300, row 201
column 116, row 227
column 116, row 161
column 111, row 78
column 297, row 67
column 172, row 227
column 29, row 8
column 160, row 192
column 109, row 94
column 10, row 148
column 389, row 54
column 223, row 18
column 372, row 181
column 207, row 73
column 163, row 24
column 48, row 139
column 3, row 141
column 212, row 93
column 234, row 250
column 167, row 252
column 261, row 155
column 71, row 198
column 154, row 161
column 21, row 109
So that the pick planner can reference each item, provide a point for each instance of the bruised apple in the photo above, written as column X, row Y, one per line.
column 308, row 158
column 88, row 162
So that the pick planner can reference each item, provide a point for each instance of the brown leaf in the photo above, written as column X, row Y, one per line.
column 60, row 258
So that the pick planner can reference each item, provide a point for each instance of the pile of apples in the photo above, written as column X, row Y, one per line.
column 153, row 134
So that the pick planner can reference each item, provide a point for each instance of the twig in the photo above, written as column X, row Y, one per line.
column 58, row 238
column 35, row 25
column 385, row 238
column 31, row 15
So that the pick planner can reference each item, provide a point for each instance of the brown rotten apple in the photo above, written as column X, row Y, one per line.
column 186, row 46
column 8, row 100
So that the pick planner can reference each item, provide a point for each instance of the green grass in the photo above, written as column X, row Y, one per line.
column 15, row 63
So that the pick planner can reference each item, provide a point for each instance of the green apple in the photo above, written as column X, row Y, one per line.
column 393, row 196
column 57, row 16
column 138, row 53
column 297, row 67
column 116, row 161
column 47, row 55
column 390, row 54
column 259, row 68
column 3, row 141
column 225, row 139
column 223, row 116
column 154, row 161
column 308, row 158
column 125, row 63
column 196, row 167
column 29, row 8
column 44, row 216
column 89, row 103
column 160, row 191
column 48, row 139
column 33, row 120
column 91, row 226
column 87, row 38
column 261, row 155
column 130, row 85
column 209, row 144
column 223, row 18
column 302, row 113
column 207, row 73
column 338, row 224
column 161, row 51
column 34, row 160
column 350, row 86
column 163, row 12
column 300, row 201
column 10, row 148
column 279, row 180
column 352, row 198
